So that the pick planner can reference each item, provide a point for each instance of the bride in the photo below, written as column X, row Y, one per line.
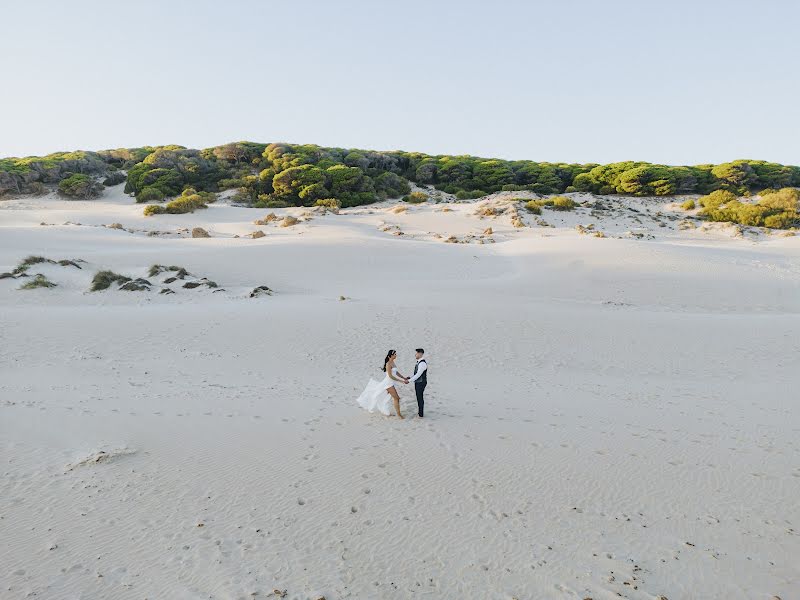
column 379, row 394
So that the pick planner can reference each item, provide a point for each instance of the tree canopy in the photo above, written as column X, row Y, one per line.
column 301, row 174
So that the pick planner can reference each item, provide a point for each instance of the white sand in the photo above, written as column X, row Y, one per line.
column 605, row 418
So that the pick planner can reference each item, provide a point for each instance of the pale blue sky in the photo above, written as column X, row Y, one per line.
column 677, row 82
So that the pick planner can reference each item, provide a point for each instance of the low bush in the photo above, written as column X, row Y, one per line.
column 473, row 195
column 716, row 199
column 184, row 205
column 79, row 186
column 149, row 194
column 775, row 209
column 563, row 203
column 689, row 205
column 103, row 279
column 783, row 220
column 554, row 203
column 416, row 198
column 534, row 207
column 37, row 188
column 242, row 196
column 188, row 202
column 114, row 178
column 783, row 199
column 228, row 184
column 269, row 201
column 154, row 209
column 332, row 204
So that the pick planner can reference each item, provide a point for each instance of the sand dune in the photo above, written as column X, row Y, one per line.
column 606, row 417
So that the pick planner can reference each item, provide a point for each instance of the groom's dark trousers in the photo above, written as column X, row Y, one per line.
column 420, row 389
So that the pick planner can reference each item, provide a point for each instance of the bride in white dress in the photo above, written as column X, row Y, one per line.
column 378, row 395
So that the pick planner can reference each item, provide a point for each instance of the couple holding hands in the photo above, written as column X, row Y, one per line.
column 379, row 395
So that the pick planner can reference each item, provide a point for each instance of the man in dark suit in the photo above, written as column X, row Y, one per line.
column 420, row 379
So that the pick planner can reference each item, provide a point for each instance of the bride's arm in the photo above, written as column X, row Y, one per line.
column 391, row 375
column 402, row 377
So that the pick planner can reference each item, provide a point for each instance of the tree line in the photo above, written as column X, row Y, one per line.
column 282, row 174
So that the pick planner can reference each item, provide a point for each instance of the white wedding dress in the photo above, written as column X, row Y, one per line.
column 376, row 397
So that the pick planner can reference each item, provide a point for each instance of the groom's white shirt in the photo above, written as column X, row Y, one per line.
column 420, row 370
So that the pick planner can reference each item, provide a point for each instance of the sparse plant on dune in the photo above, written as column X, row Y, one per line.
column 38, row 281
column 103, row 280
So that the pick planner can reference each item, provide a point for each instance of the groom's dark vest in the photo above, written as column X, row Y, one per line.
column 423, row 379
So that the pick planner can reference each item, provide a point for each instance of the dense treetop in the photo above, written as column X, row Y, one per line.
column 302, row 174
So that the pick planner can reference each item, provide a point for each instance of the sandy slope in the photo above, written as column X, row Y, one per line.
column 606, row 417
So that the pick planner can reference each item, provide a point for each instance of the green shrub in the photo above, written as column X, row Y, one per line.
column 37, row 188
column 207, row 197
column 154, row 209
column 80, row 187
column 150, row 194
column 271, row 203
column 103, row 279
column 688, row 205
column 331, row 204
column 416, row 198
column 563, row 203
column 228, row 184
column 776, row 209
column 114, row 178
column 242, row 196
column 783, row 220
column 783, row 199
column 554, row 203
column 39, row 281
column 189, row 201
column 470, row 195
column 533, row 206
column 716, row 199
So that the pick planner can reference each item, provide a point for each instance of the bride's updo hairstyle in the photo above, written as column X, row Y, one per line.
column 389, row 355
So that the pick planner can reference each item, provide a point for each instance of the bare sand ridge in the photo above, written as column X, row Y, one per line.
column 606, row 417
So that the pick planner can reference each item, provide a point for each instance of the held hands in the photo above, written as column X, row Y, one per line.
column 405, row 380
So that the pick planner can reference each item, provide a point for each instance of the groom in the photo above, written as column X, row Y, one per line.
column 420, row 379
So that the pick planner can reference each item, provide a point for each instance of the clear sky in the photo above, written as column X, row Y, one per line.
column 678, row 82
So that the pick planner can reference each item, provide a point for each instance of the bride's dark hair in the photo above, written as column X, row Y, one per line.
column 386, row 360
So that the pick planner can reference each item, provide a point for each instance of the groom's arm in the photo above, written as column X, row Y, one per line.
column 420, row 370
